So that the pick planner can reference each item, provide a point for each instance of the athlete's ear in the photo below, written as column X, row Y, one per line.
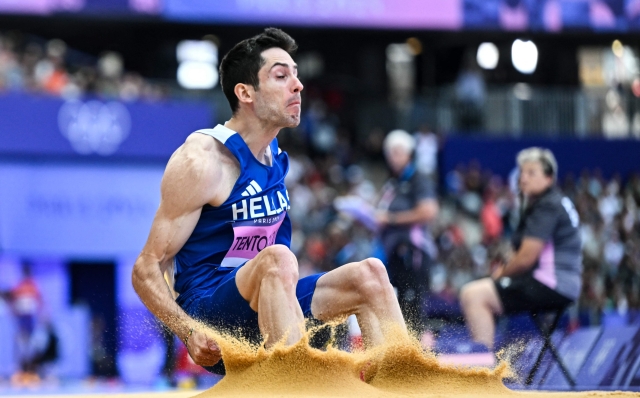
column 244, row 92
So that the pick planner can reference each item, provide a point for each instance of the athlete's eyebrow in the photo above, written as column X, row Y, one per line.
column 286, row 65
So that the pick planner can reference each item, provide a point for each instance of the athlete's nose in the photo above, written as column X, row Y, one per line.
column 297, row 85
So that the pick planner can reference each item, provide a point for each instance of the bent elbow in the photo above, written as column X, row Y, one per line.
column 137, row 276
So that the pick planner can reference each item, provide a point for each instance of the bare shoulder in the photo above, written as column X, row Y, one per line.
column 193, row 159
column 200, row 142
column 204, row 146
column 200, row 167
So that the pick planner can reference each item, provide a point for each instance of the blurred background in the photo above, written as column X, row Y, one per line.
column 95, row 95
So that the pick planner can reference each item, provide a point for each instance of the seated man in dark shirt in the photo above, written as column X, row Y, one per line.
column 546, row 270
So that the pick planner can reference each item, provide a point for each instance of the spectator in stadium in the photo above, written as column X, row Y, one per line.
column 545, row 271
column 470, row 90
column 407, row 204
column 51, row 68
column 26, row 302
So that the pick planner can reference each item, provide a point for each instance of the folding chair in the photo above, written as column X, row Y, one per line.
column 547, row 329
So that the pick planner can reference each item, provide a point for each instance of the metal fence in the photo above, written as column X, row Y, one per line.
column 518, row 110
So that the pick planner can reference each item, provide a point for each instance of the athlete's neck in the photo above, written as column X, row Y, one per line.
column 255, row 135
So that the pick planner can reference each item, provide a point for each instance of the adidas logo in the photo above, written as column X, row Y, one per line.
column 252, row 189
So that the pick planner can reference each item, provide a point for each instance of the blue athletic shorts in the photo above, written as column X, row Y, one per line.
column 227, row 311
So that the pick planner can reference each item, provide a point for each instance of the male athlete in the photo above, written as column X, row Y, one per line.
column 223, row 226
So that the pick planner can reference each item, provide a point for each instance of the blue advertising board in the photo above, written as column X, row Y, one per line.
column 79, row 211
column 573, row 155
column 432, row 14
column 45, row 125
column 97, row 7
column 525, row 352
column 507, row 15
column 625, row 366
column 611, row 361
column 573, row 350
column 532, row 15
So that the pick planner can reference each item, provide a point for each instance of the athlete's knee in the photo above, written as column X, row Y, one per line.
column 373, row 278
column 277, row 254
column 374, row 269
column 279, row 262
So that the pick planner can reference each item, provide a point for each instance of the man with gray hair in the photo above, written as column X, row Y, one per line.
column 407, row 204
column 545, row 272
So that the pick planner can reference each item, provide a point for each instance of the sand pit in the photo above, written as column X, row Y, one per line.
column 400, row 368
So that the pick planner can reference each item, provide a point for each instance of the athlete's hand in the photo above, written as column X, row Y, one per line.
column 202, row 348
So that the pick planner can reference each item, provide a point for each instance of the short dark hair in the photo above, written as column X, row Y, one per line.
column 243, row 62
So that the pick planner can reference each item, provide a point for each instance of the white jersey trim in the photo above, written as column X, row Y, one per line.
column 233, row 262
column 220, row 133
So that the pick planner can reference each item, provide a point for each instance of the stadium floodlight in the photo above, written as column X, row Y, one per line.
column 524, row 56
column 197, row 75
column 488, row 55
column 617, row 48
column 197, row 50
column 197, row 67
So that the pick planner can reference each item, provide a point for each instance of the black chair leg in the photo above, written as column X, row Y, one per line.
column 560, row 362
column 536, row 365
column 548, row 344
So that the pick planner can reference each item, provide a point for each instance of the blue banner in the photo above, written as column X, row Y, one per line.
column 433, row 14
column 77, row 211
column 613, row 357
column 96, row 7
column 44, row 125
column 573, row 351
column 496, row 15
column 573, row 155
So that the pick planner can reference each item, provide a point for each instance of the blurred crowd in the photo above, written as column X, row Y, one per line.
column 484, row 213
column 478, row 213
column 33, row 65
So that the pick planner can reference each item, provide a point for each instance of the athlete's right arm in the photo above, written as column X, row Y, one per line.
column 187, row 185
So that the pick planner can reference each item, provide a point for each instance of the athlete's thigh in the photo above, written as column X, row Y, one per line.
column 226, row 310
column 336, row 293
column 250, row 276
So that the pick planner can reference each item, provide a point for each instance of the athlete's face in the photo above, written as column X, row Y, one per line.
column 533, row 181
column 277, row 100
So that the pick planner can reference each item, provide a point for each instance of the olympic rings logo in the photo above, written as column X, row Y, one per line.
column 94, row 126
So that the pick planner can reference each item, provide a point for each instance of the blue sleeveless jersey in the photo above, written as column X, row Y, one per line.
column 252, row 218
